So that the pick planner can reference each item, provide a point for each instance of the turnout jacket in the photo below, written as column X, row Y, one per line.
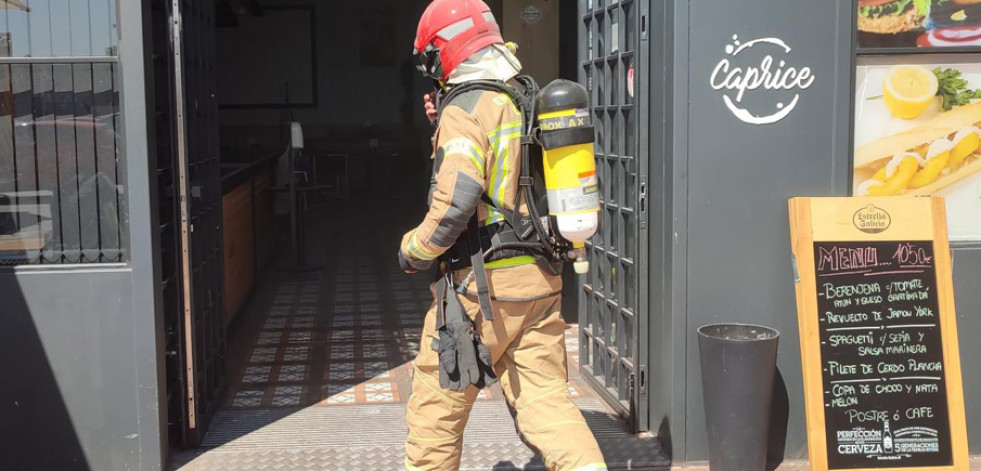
column 477, row 150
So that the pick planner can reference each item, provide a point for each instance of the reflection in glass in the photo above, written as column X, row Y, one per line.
column 61, row 175
column 57, row 28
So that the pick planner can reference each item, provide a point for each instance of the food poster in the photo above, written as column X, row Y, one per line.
column 918, row 132
column 919, row 23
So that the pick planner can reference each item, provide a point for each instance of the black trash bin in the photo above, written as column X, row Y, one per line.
column 738, row 365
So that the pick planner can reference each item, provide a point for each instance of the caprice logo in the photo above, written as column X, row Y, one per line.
column 736, row 80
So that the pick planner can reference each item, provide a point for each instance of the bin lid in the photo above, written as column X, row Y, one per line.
column 738, row 332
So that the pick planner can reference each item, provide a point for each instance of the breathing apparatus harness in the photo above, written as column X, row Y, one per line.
column 517, row 234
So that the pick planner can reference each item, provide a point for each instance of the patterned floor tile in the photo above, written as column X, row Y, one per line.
column 256, row 374
column 341, row 352
column 339, row 399
column 333, row 389
column 308, row 298
column 373, row 334
column 292, row 373
column 334, row 375
column 275, row 323
column 407, row 307
column 271, row 337
column 379, row 387
column 280, row 310
column 248, row 398
column 412, row 322
column 374, row 351
column 376, row 398
column 346, row 335
column 369, row 308
column 263, row 355
column 303, row 321
column 287, row 396
column 305, row 310
column 296, row 354
column 297, row 336
column 342, row 307
column 377, row 370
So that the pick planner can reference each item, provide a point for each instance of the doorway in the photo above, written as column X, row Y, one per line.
column 304, row 351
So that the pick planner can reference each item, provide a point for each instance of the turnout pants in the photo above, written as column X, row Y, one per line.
column 527, row 343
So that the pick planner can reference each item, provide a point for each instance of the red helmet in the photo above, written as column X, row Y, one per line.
column 449, row 32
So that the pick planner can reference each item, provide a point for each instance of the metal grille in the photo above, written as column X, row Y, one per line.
column 61, row 175
column 612, row 305
column 189, row 182
column 204, row 193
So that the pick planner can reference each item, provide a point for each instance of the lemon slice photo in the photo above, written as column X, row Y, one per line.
column 909, row 90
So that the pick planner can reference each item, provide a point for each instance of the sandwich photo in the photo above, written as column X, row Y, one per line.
column 918, row 132
column 922, row 160
column 953, row 23
column 891, row 17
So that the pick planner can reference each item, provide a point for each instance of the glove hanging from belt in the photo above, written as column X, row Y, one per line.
column 463, row 359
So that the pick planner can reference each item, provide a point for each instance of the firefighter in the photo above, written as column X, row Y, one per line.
column 520, row 341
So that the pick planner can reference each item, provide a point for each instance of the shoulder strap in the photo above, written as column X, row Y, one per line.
column 520, row 97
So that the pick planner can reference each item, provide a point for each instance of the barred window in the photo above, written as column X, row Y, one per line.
column 61, row 167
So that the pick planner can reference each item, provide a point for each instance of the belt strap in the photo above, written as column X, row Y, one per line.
column 479, row 271
column 441, row 283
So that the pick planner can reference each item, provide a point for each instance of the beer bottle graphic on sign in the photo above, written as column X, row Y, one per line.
column 886, row 437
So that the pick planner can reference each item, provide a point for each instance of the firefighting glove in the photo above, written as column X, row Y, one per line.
column 458, row 367
column 484, row 363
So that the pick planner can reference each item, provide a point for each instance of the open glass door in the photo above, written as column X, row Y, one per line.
column 190, row 212
column 612, row 304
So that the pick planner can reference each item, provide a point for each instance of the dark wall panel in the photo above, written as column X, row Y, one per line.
column 742, row 168
column 967, row 275
column 69, row 400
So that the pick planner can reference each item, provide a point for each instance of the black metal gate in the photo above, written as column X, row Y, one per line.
column 613, row 303
column 189, row 196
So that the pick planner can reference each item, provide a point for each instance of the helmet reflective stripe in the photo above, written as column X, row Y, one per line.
column 454, row 29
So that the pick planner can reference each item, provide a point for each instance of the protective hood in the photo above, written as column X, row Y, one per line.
column 494, row 62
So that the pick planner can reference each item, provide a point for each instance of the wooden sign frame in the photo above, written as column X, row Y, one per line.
column 920, row 219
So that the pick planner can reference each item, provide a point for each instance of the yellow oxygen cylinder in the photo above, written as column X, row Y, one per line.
column 569, row 164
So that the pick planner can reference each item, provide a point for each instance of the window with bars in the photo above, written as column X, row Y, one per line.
column 62, row 185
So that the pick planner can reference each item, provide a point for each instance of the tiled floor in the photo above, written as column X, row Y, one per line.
column 352, row 347
column 319, row 366
column 341, row 335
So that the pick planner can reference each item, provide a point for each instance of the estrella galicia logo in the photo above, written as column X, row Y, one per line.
column 872, row 219
column 760, row 66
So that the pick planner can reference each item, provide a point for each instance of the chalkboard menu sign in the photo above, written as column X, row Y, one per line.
column 878, row 334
